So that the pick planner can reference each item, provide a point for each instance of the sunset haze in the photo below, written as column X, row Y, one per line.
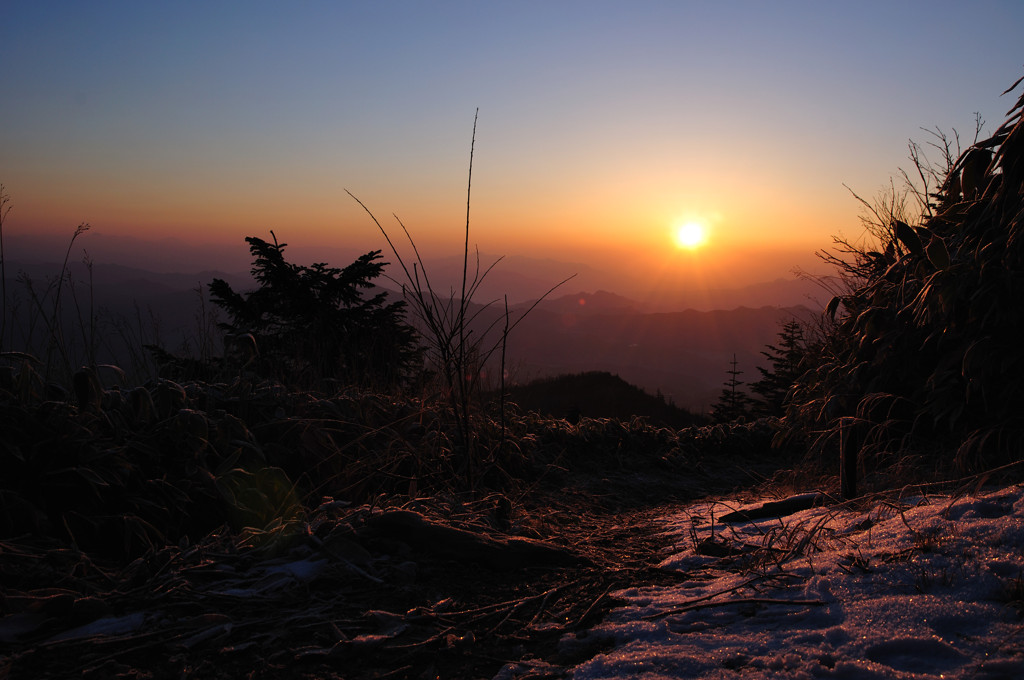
column 602, row 126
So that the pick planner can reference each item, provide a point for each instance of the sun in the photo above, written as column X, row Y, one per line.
column 691, row 235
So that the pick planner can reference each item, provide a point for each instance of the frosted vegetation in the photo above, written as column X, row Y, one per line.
column 920, row 586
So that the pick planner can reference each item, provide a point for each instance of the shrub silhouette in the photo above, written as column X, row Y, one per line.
column 923, row 348
column 314, row 323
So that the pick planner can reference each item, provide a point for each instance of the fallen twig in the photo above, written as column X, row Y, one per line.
column 593, row 604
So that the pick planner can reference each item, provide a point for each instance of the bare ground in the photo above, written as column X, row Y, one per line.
column 457, row 590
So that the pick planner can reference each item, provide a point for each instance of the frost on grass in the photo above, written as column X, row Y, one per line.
column 922, row 587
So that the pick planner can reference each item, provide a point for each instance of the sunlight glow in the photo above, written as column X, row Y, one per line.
column 691, row 235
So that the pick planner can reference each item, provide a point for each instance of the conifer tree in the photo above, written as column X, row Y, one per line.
column 733, row 403
column 777, row 380
column 314, row 322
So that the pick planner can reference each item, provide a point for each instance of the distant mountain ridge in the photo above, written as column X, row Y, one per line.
column 520, row 278
column 598, row 302
column 682, row 354
column 596, row 394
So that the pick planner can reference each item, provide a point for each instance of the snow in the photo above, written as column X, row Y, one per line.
column 922, row 587
column 281, row 575
column 108, row 625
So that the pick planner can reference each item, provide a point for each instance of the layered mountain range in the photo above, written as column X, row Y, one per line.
column 683, row 354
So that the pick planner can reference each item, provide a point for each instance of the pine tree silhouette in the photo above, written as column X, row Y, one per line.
column 785, row 369
column 733, row 403
column 312, row 323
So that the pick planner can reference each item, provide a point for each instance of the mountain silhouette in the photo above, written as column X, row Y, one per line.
column 681, row 354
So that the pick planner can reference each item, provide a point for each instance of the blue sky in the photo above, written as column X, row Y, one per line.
column 602, row 124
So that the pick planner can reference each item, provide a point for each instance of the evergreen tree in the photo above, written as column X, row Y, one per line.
column 733, row 402
column 313, row 322
column 777, row 380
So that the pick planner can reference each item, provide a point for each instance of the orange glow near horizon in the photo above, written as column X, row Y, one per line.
column 591, row 148
column 629, row 233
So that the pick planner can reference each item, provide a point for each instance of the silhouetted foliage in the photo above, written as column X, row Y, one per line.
column 777, row 380
column 314, row 322
column 924, row 348
column 733, row 403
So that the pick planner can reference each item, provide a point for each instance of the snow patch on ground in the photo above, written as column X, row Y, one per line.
column 923, row 587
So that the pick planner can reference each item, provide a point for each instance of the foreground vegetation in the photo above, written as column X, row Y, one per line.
column 246, row 529
column 122, row 472
column 916, row 367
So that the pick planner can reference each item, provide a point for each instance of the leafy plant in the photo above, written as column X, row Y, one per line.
column 5, row 208
column 926, row 322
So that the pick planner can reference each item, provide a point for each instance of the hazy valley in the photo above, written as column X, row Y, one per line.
column 678, row 346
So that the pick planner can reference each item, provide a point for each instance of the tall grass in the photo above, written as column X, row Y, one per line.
column 920, row 366
column 47, row 336
column 5, row 208
column 456, row 353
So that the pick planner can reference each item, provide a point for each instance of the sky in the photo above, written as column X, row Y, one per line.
column 602, row 126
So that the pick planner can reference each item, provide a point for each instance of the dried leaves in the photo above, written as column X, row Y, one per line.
column 930, row 318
